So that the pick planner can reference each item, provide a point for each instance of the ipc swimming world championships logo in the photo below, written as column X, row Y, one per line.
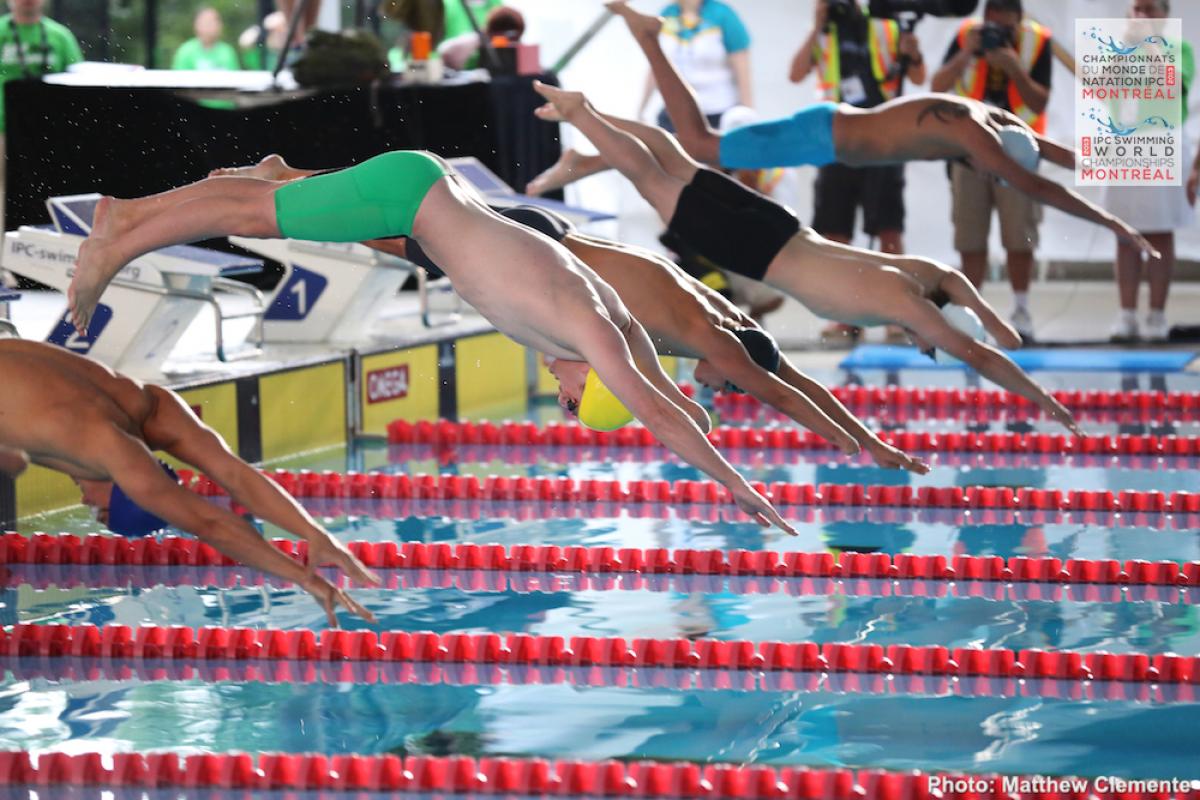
column 1128, row 102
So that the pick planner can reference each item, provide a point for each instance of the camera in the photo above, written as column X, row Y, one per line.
column 993, row 37
column 839, row 12
column 891, row 9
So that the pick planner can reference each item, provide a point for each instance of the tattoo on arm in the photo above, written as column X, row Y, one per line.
column 945, row 111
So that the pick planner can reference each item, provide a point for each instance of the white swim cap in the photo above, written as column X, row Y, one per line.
column 737, row 117
column 962, row 319
column 1020, row 146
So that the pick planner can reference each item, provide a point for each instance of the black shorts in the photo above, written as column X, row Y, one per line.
column 542, row 220
column 840, row 190
column 720, row 223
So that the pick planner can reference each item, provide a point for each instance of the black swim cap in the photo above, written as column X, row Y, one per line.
column 541, row 220
column 761, row 347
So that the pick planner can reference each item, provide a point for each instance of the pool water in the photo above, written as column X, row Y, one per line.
column 819, row 720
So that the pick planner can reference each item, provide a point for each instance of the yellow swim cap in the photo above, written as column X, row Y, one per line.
column 599, row 409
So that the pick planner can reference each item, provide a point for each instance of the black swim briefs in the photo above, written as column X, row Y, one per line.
column 542, row 220
column 723, row 223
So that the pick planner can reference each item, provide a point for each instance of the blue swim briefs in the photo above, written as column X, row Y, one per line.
column 806, row 137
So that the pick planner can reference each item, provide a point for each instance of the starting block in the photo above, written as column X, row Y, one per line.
column 499, row 194
column 333, row 292
column 151, row 302
column 7, row 329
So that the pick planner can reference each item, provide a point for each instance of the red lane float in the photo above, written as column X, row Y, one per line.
column 179, row 643
column 401, row 455
column 70, row 576
column 427, row 673
column 947, row 401
column 523, row 434
column 518, row 776
column 685, row 492
column 184, row 551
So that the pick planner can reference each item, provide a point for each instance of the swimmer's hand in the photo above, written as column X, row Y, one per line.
column 892, row 458
column 330, row 597
column 328, row 550
column 1131, row 237
column 760, row 508
column 1058, row 412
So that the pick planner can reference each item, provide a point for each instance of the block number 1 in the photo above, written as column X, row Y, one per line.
column 300, row 289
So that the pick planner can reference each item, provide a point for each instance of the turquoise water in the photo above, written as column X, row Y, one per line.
column 813, row 719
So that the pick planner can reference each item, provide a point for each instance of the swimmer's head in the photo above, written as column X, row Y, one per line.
column 113, row 508
column 582, row 393
column 760, row 346
column 961, row 319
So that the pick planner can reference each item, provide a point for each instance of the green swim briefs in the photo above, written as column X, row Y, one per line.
column 377, row 198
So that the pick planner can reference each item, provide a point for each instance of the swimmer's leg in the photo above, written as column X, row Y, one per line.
column 571, row 166
column 625, row 152
column 126, row 229
column 701, row 141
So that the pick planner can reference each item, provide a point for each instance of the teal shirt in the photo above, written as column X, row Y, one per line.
column 46, row 46
column 192, row 54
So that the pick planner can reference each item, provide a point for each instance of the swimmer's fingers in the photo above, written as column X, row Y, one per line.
column 331, row 551
column 354, row 606
column 548, row 113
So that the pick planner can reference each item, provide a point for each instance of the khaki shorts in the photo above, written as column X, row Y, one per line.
column 975, row 196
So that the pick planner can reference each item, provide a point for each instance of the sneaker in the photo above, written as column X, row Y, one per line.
column 1021, row 320
column 1124, row 328
column 1156, row 328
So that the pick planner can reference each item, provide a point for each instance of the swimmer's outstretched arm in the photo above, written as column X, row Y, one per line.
column 988, row 155
column 884, row 454
column 175, row 429
column 925, row 320
column 605, row 348
column 729, row 358
column 130, row 464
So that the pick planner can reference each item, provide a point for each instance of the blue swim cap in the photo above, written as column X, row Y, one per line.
column 761, row 347
column 128, row 518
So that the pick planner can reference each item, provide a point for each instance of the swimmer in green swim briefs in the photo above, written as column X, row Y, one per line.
column 919, row 128
column 528, row 286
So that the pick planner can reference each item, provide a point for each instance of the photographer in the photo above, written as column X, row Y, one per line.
column 858, row 59
column 1003, row 61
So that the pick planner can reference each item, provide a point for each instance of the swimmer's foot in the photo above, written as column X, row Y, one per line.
column 568, row 104
column 558, row 176
column 96, row 266
column 272, row 168
column 640, row 25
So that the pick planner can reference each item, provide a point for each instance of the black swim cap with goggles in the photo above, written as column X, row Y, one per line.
column 761, row 347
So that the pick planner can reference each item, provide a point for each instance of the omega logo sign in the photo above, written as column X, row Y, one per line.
column 387, row 384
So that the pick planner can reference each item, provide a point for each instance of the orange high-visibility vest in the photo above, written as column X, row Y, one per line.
column 883, row 41
column 1031, row 42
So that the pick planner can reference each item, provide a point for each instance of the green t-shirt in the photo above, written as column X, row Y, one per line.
column 42, row 47
column 456, row 18
column 192, row 54
column 1188, row 70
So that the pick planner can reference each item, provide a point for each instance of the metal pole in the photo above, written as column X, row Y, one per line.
column 485, row 46
column 151, row 33
column 583, row 40
column 293, row 23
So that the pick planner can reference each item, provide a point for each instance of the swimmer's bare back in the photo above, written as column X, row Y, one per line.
column 50, row 396
column 924, row 128
column 529, row 287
